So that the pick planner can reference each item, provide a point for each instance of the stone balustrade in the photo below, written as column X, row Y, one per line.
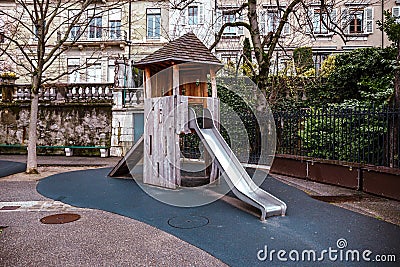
column 79, row 92
column 133, row 97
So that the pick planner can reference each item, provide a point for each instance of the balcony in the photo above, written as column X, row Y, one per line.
column 120, row 98
column 65, row 93
column 98, row 35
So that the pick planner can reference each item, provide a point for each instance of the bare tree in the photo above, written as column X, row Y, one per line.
column 293, row 13
column 35, row 36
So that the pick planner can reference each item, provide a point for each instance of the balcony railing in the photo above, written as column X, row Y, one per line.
column 77, row 93
column 132, row 97
column 82, row 92
column 99, row 34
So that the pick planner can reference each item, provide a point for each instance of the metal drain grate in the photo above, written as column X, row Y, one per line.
column 188, row 222
column 60, row 218
column 10, row 207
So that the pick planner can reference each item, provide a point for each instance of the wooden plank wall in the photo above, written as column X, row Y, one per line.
column 165, row 119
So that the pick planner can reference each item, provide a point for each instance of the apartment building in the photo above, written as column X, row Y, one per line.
column 341, row 26
column 196, row 16
column 133, row 29
column 106, row 31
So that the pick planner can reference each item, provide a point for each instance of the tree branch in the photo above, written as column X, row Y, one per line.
column 221, row 31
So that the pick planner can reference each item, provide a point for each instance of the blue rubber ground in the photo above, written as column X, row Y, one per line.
column 11, row 167
column 232, row 235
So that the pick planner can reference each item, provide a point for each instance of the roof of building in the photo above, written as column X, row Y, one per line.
column 187, row 48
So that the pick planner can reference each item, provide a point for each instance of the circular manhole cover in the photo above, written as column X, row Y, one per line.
column 188, row 222
column 60, row 218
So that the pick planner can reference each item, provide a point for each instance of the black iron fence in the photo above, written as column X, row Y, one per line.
column 361, row 135
column 358, row 135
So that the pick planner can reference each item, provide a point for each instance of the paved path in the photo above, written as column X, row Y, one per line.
column 234, row 236
column 65, row 161
column 11, row 167
column 98, row 238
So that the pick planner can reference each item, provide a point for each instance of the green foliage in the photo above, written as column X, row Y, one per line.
column 390, row 27
column 240, row 107
column 347, row 132
column 303, row 59
column 290, row 90
column 309, row 73
column 365, row 75
column 328, row 66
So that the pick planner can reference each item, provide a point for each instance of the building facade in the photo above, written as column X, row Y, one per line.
column 338, row 27
column 111, row 30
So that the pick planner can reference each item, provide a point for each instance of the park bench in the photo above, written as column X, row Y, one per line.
column 104, row 150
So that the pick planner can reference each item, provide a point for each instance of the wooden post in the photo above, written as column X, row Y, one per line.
column 147, row 83
column 175, row 79
column 213, row 83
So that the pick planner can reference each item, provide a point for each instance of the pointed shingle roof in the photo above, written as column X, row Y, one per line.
column 187, row 48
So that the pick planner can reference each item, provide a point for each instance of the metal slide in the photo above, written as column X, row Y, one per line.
column 134, row 155
column 235, row 175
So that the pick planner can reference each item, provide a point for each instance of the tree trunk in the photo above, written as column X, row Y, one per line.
column 31, row 165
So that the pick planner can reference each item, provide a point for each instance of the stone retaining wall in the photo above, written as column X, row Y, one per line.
column 80, row 124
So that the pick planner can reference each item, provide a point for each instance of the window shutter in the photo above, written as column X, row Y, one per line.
column 261, row 17
column 182, row 19
column 310, row 20
column 218, row 20
column 240, row 28
column 286, row 27
column 333, row 18
column 233, row 30
column 369, row 20
column 2, row 24
column 201, row 14
column 345, row 20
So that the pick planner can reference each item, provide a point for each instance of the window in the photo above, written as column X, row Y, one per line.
column 137, row 77
column 153, row 23
column 396, row 13
column 318, row 59
column 75, row 33
column 270, row 19
column 358, row 20
column 320, row 21
column 273, row 20
column 76, row 29
column 229, row 18
column 114, row 24
column 73, row 73
column 193, row 15
column 115, row 29
column 93, row 74
column 111, row 71
column 224, row 16
column 95, row 26
column 36, row 29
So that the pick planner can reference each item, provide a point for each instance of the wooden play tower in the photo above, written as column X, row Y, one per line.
column 176, row 78
column 178, row 102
